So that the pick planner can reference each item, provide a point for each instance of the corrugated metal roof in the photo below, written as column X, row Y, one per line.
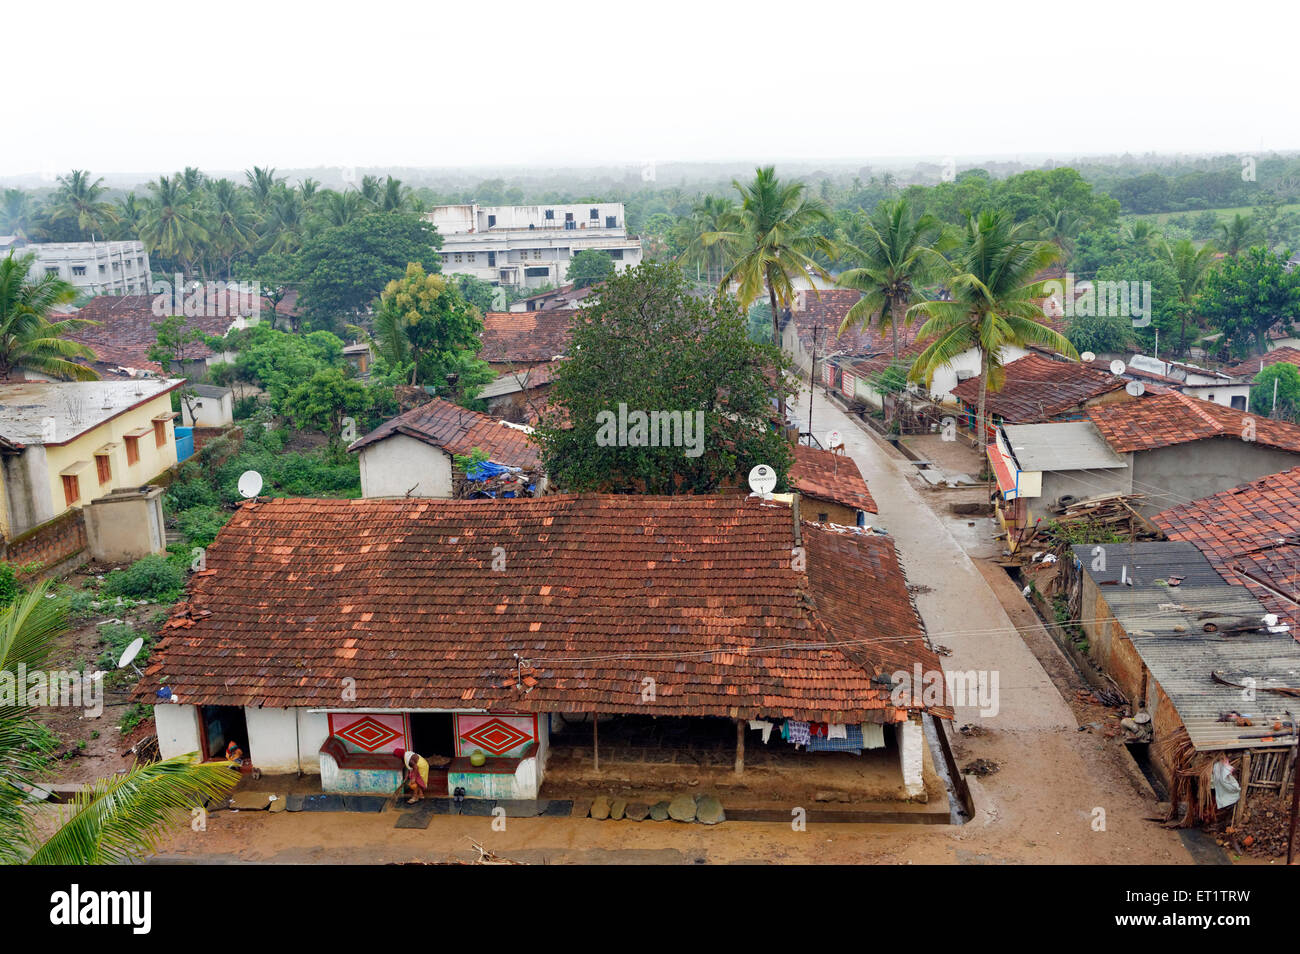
column 1164, row 625
column 1070, row 445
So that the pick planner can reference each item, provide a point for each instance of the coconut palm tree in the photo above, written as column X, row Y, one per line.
column 1061, row 226
column 17, row 214
column 340, row 208
column 1238, row 233
column 117, row 819
column 261, row 182
column 711, row 214
column 994, row 304
column 171, row 223
column 285, row 220
column 771, row 243
column 28, row 336
column 229, row 223
column 130, row 213
column 894, row 251
column 1190, row 265
column 395, row 197
column 80, row 199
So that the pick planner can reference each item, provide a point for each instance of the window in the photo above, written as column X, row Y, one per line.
column 133, row 450
column 595, row 213
column 52, row 270
column 78, row 269
column 611, row 221
column 458, row 257
column 550, row 213
column 568, row 216
column 101, row 269
column 470, row 256
column 537, row 254
column 616, row 254
column 492, row 220
column 103, row 468
column 160, row 433
column 71, row 490
column 1238, row 402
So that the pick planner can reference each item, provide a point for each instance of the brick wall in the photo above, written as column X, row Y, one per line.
column 50, row 544
column 205, row 435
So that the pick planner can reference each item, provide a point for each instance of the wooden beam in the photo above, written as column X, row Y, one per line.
column 1240, row 815
column 595, row 739
column 740, row 746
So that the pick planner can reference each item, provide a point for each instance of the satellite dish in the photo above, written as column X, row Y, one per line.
column 834, row 439
column 1136, row 388
column 1117, row 367
column 250, row 484
column 129, row 654
column 1087, row 357
column 762, row 480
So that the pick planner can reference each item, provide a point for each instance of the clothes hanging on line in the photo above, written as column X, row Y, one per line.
column 762, row 725
column 852, row 742
column 836, row 730
column 799, row 732
column 873, row 735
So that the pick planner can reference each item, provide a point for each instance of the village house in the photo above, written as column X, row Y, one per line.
column 1183, row 644
column 1252, row 366
column 831, row 487
column 564, row 298
column 512, row 641
column 206, row 405
column 1217, row 387
column 1037, row 389
column 127, row 331
column 524, row 349
column 414, row 454
column 1042, row 468
column 67, row 444
column 1251, row 535
column 1179, row 448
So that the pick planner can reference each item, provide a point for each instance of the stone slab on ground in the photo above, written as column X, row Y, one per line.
column 708, row 810
column 557, row 808
column 480, row 807
column 637, row 811
column 521, row 807
column 617, row 809
column 251, row 801
column 659, row 811
column 600, row 807
column 581, row 808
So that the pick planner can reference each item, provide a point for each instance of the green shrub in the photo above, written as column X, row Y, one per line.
column 200, row 524
column 151, row 578
column 9, row 588
column 115, row 637
column 189, row 494
column 133, row 716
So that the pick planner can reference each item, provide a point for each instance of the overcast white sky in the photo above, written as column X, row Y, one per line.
column 144, row 86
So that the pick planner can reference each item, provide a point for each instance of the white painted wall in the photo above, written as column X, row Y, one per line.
column 272, row 739
column 313, row 730
column 177, row 726
column 1219, row 393
column 911, row 753
column 398, row 464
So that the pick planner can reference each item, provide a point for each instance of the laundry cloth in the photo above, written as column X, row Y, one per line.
column 836, row 730
column 1227, row 790
column 852, row 742
column 799, row 734
column 763, row 726
column 873, row 735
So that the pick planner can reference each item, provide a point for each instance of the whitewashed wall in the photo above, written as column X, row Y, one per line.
column 395, row 465
column 178, row 729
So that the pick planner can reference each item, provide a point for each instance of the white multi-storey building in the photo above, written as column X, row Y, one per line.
column 94, row 268
column 527, row 246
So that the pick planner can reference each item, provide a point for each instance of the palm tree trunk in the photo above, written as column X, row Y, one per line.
column 984, row 389
column 776, row 342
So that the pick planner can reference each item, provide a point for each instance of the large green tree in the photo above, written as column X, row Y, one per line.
column 423, row 321
column 591, row 266
column 1245, row 296
column 343, row 269
column 80, row 199
column 995, row 292
column 651, row 352
column 1276, row 392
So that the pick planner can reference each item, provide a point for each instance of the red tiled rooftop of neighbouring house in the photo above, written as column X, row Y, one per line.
column 598, row 593
column 820, row 315
column 1252, row 366
column 1249, row 534
column 1167, row 418
column 518, row 336
column 827, row 476
column 459, row 431
column 1036, row 388
column 127, row 328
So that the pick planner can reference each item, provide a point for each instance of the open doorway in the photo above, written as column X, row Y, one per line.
column 221, row 725
column 433, row 733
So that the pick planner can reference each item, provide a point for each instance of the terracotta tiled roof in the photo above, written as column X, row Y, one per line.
column 511, row 337
column 127, row 329
column 834, row 477
column 458, row 431
column 1036, row 389
column 825, row 313
column 1167, row 418
column 1249, row 534
column 599, row 593
column 1251, row 366
column 1133, row 373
